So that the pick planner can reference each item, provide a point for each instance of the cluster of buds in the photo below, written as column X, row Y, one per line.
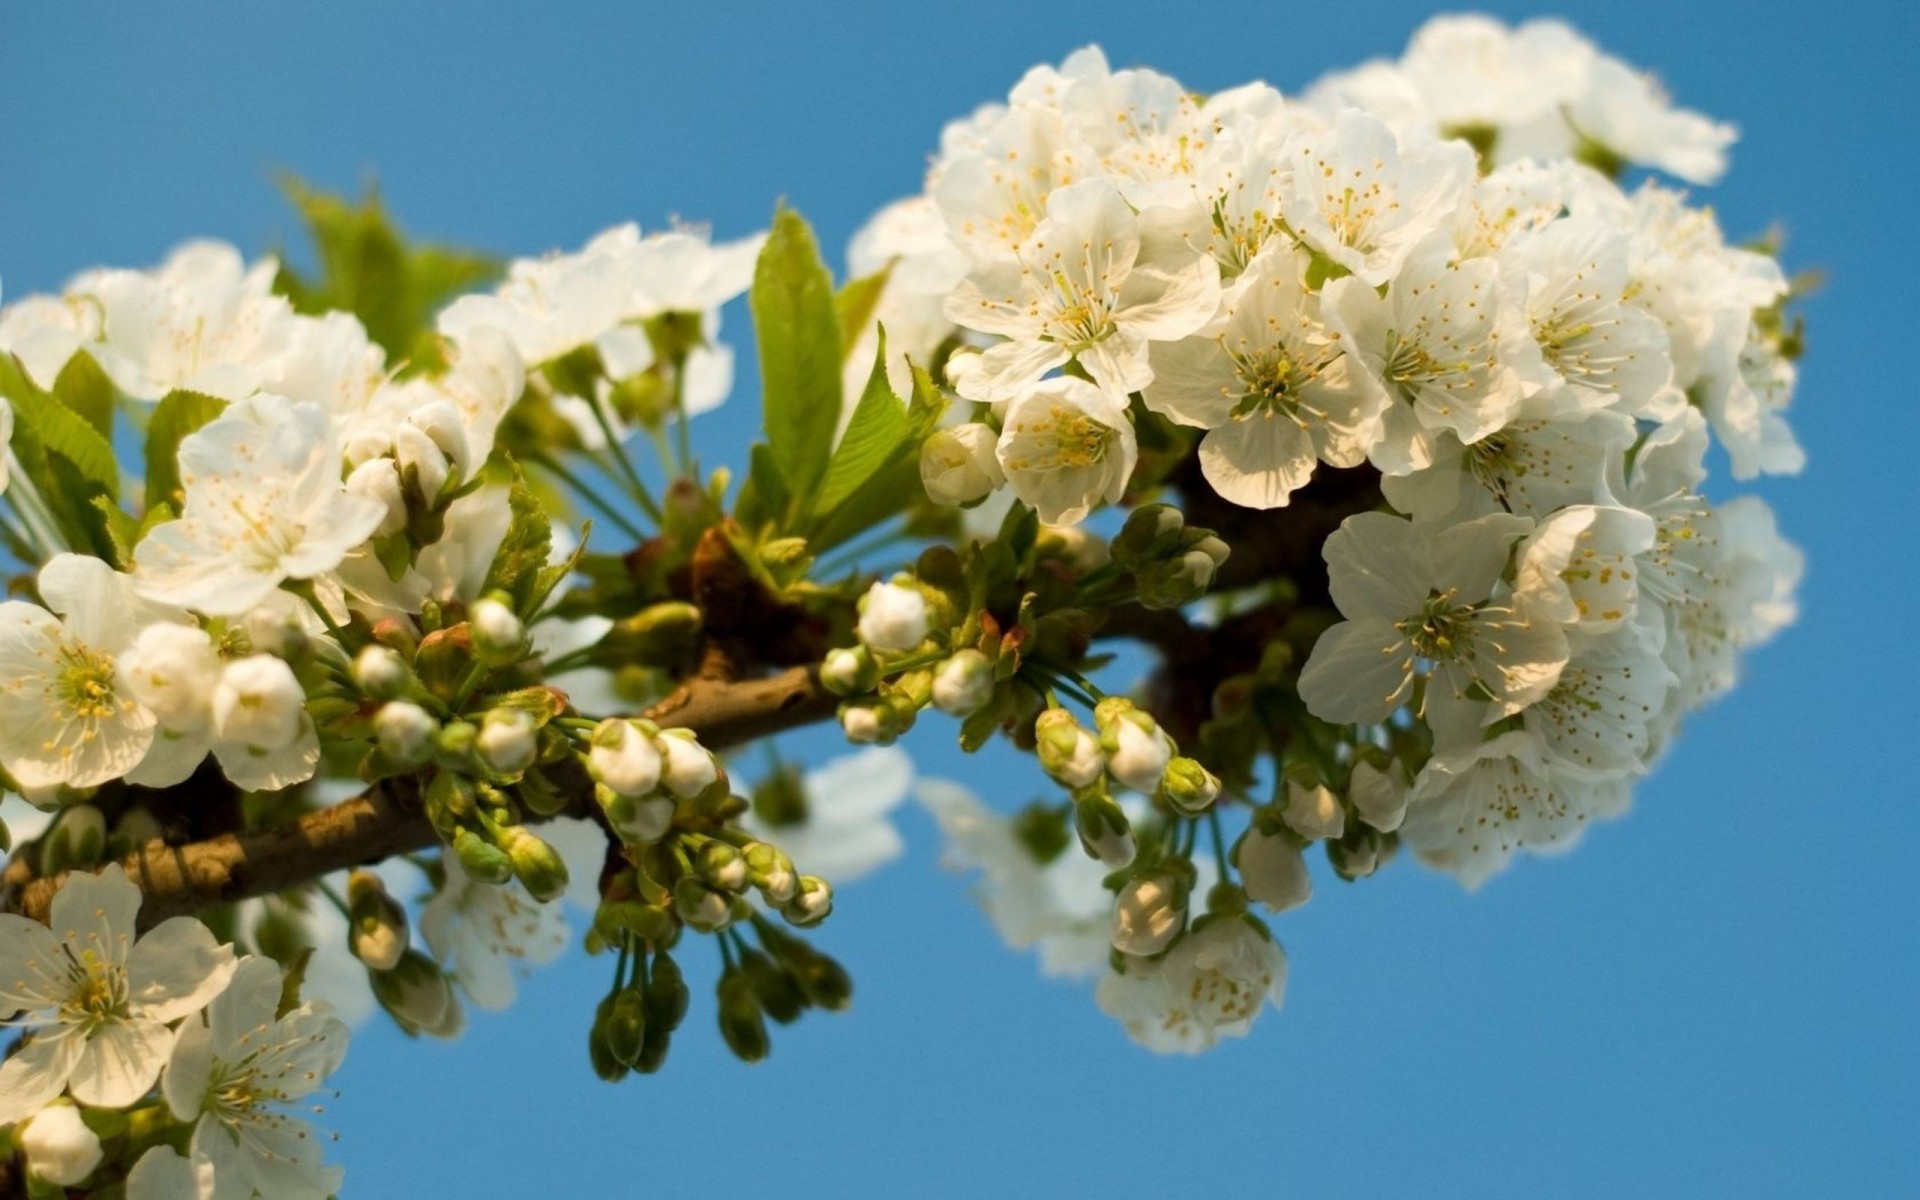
column 1357, row 821
column 1171, row 562
column 415, row 473
column 903, row 662
column 1126, row 747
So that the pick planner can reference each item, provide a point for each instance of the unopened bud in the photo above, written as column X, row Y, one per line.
column 380, row 672
column 418, row 995
column 822, row 979
column 1149, row 532
column 536, row 864
column 376, row 921
column 441, row 421
column 405, row 731
column 481, row 859
column 865, row 724
column 258, row 701
column 1378, row 789
column 59, row 1147
column 636, row 818
column 658, row 635
column 422, row 465
column 741, row 1024
column 1273, row 869
column 893, row 616
column 774, row 986
column 1148, row 914
column 811, row 903
column 499, row 637
column 77, row 841
column 1357, row 855
column 850, row 672
column 1137, row 749
column 963, row 683
column 722, row 866
column 607, row 1064
column 378, row 479
column 959, row 465
column 624, row 758
column 1189, row 787
column 508, row 741
column 626, row 1027
column 688, row 769
column 1067, row 751
column 270, row 632
column 770, row 870
column 1174, row 582
column 667, row 995
column 1105, row 833
column 700, row 906
column 1312, row 810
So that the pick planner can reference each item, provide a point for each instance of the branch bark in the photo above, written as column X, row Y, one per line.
column 387, row 819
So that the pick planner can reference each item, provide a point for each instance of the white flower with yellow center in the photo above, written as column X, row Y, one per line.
column 1271, row 384
column 1515, row 200
column 264, row 505
column 1078, row 290
column 1598, row 720
column 992, row 187
column 234, row 1076
column 65, row 715
column 1438, row 343
column 1212, row 984
column 44, row 332
column 1420, row 599
column 1579, row 566
column 96, row 1000
column 1066, row 447
column 1537, row 464
column 1357, row 196
column 482, row 932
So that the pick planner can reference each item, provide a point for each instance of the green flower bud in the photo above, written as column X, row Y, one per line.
column 76, row 842
column 537, row 865
column 774, row 987
column 636, row 819
column 1175, row 582
column 812, row 902
column 508, row 742
column 770, row 870
column 963, row 683
column 823, row 981
column 405, row 731
column 653, row 1049
column 741, row 1023
column 722, row 866
column 667, row 995
column 1357, row 854
column 1105, row 833
column 1189, row 787
column 626, row 1030
column 659, row 635
column 480, row 858
column 784, row 552
column 1066, row 750
column 614, row 919
column 450, row 800
column 455, row 742
column 607, row 1064
column 1149, row 532
column 781, row 799
column 136, row 827
column 850, row 672
column 418, row 995
column 377, row 924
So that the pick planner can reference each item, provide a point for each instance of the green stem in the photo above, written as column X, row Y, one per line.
column 1219, row 844
column 591, row 496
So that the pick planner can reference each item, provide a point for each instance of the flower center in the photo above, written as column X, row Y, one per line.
column 83, row 685
column 1065, row 437
column 1442, row 630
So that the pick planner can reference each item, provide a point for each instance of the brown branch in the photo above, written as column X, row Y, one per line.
column 387, row 820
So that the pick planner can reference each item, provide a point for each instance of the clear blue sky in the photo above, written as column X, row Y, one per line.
column 1715, row 996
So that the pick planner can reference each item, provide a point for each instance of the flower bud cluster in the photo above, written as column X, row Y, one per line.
column 1172, row 563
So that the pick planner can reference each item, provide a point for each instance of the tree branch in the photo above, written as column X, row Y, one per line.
column 387, row 820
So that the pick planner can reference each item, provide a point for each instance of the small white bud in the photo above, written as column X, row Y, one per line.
column 378, row 479
column 623, row 758
column 1147, row 915
column 269, row 631
column 379, row 671
column 1274, row 870
column 959, row 466
column 861, row 723
column 963, row 683
column 1379, row 796
column 498, row 634
column 405, row 730
column 812, row 900
column 442, row 423
column 1137, row 749
column 892, row 617
column 1067, row 751
column 849, row 670
column 259, row 702
column 508, row 741
column 59, row 1147
column 366, row 446
column 687, row 768
column 414, row 450
column 1313, row 811
column 377, row 923
column 637, row 818
column 173, row 669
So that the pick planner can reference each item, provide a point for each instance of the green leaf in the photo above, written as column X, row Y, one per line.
column 855, row 303
column 122, row 530
column 85, row 388
column 764, row 496
column 61, row 430
column 894, row 482
column 800, row 358
column 524, row 551
column 65, row 460
column 872, row 440
column 177, row 415
column 368, row 269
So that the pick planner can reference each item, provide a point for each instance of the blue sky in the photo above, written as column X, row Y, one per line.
column 1714, row 996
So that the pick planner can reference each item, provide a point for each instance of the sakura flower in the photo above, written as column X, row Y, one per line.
column 1272, row 385
column 98, row 1001
column 1078, row 290
column 1357, row 196
column 45, row 332
column 481, row 932
column 1212, row 984
column 1538, row 463
column 203, row 321
column 1421, row 598
column 683, row 270
column 235, row 1074
column 1598, row 720
column 65, row 715
column 548, row 307
column 844, row 832
column 1578, row 566
column 1066, row 447
column 264, row 505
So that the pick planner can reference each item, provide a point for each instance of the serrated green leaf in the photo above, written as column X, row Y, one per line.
column 83, row 387
column 764, row 497
column 64, row 460
column 178, row 414
column 855, row 303
column 800, row 358
column 524, row 550
column 368, row 269
column 61, row 430
column 122, row 530
column 894, row 483
column 872, row 439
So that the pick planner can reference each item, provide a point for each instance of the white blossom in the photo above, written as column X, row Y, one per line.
column 485, row 933
column 893, row 616
column 59, row 1147
column 847, row 833
column 1211, row 985
column 1066, row 447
